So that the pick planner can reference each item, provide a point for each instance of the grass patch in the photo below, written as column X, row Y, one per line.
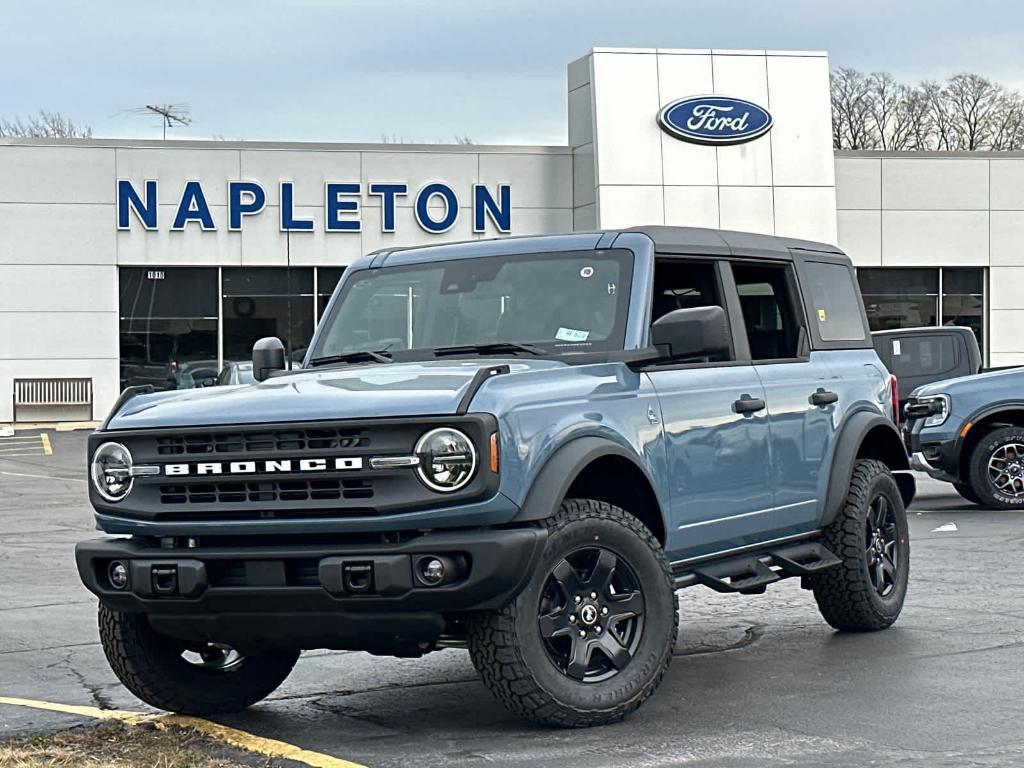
column 113, row 744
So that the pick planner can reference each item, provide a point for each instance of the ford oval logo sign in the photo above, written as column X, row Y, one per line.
column 717, row 120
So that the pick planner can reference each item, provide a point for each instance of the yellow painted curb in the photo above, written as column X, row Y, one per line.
column 45, row 440
column 233, row 736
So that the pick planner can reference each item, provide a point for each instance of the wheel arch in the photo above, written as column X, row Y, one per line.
column 595, row 468
column 866, row 435
column 984, row 421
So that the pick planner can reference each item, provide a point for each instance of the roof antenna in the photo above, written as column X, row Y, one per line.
column 171, row 115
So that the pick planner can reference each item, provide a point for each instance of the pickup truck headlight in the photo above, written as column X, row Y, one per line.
column 448, row 459
column 111, row 471
column 934, row 409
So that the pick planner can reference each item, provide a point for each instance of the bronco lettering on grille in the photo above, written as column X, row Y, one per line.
column 253, row 467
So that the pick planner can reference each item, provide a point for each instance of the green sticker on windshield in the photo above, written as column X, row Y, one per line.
column 570, row 334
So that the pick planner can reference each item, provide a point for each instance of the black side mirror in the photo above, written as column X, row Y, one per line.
column 693, row 332
column 267, row 357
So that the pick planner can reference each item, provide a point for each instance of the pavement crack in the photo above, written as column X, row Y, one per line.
column 95, row 692
column 751, row 635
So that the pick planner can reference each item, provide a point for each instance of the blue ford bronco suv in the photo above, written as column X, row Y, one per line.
column 519, row 446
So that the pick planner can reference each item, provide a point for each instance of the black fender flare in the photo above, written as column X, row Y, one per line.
column 989, row 409
column 848, row 447
column 562, row 468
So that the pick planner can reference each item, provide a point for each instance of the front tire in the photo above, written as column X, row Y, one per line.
column 865, row 592
column 167, row 674
column 996, row 468
column 590, row 637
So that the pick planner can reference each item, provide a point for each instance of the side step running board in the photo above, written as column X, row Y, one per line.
column 751, row 573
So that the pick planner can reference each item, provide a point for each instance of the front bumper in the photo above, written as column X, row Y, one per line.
column 939, row 458
column 358, row 596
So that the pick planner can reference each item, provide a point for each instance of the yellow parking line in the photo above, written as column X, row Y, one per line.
column 45, row 440
column 233, row 736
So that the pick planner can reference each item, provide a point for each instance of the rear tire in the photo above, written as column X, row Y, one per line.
column 996, row 468
column 865, row 592
column 590, row 637
column 153, row 667
column 967, row 492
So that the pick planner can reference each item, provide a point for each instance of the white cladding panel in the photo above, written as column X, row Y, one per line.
column 858, row 183
column 782, row 182
column 801, row 139
column 935, row 184
column 860, row 236
column 56, row 174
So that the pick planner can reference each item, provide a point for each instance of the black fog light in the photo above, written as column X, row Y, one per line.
column 432, row 570
column 117, row 572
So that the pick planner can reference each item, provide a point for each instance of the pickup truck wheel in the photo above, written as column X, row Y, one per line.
column 198, row 680
column 967, row 492
column 865, row 592
column 996, row 468
column 591, row 635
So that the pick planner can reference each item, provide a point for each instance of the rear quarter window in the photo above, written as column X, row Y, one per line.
column 835, row 301
column 922, row 355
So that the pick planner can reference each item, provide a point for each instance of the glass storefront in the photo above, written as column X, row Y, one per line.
column 897, row 297
column 178, row 325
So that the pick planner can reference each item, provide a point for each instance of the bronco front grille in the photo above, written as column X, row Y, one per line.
column 321, row 489
column 318, row 439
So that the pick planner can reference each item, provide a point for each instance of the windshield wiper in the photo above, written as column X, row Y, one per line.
column 359, row 356
column 496, row 347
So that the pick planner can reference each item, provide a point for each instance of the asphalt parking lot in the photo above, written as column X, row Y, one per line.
column 756, row 680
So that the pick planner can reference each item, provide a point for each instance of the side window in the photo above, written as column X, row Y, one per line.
column 770, row 310
column 835, row 301
column 682, row 284
column 931, row 355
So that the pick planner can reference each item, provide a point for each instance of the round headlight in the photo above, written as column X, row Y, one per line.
column 447, row 459
column 111, row 471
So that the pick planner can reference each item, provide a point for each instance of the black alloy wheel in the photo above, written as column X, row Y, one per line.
column 882, row 552
column 591, row 614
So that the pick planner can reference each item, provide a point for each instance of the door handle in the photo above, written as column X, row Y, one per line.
column 747, row 404
column 823, row 397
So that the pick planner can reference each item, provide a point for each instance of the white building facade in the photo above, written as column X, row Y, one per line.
column 126, row 262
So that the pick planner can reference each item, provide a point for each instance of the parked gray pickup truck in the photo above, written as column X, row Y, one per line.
column 522, row 447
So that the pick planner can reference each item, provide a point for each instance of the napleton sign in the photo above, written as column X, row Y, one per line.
column 342, row 206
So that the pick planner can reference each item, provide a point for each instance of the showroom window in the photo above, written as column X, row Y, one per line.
column 168, row 326
column 267, row 301
column 326, row 281
column 170, row 316
column 913, row 297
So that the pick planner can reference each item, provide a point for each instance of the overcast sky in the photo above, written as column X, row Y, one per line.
column 426, row 70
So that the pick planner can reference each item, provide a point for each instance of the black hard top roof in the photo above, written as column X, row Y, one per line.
column 727, row 242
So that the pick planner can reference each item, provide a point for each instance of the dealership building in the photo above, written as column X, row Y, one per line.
column 126, row 262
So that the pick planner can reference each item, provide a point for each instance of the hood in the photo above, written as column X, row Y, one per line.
column 348, row 392
column 1011, row 377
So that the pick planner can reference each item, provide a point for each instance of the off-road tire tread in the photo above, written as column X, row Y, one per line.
column 843, row 593
column 497, row 656
column 128, row 643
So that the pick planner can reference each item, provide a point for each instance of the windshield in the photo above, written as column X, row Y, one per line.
column 562, row 302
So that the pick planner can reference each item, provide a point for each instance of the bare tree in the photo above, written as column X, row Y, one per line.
column 920, row 127
column 850, row 111
column 888, row 123
column 973, row 100
column 47, row 125
column 966, row 112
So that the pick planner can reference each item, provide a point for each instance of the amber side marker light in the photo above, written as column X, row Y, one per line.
column 966, row 429
column 494, row 452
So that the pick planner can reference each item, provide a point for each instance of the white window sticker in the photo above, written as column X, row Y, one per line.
column 587, row 272
column 896, row 349
column 570, row 334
